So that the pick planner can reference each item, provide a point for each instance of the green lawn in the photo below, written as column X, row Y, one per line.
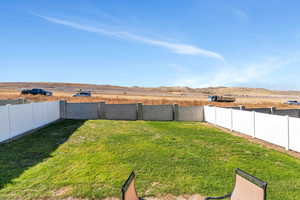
column 91, row 159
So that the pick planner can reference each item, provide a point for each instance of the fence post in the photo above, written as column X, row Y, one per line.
column 253, row 124
column 288, row 133
column 101, row 110
column 9, row 120
column 62, row 109
column 273, row 109
column 176, row 112
column 231, row 119
column 139, row 110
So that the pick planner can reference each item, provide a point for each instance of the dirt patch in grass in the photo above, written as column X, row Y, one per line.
column 63, row 191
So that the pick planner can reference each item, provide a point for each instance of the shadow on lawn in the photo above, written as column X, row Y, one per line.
column 25, row 152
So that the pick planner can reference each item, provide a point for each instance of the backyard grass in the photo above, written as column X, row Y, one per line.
column 91, row 159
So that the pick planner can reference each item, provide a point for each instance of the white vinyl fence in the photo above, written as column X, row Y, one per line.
column 18, row 119
column 280, row 130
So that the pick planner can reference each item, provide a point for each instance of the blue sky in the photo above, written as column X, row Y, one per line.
column 193, row 43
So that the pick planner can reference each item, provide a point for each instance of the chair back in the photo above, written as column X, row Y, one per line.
column 248, row 187
column 128, row 189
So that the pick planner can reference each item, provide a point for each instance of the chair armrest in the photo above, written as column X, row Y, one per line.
column 222, row 197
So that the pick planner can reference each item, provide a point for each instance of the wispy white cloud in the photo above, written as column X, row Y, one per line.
column 248, row 74
column 174, row 47
column 241, row 14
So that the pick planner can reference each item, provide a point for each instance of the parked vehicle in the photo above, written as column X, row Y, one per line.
column 36, row 91
column 83, row 94
column 292, row 102
column 220, row 99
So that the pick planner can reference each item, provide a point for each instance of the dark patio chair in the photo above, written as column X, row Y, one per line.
column 128, row 189
column 247, row 187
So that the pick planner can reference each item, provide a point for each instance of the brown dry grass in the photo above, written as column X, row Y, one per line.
column 249, row 97
column 251, row 102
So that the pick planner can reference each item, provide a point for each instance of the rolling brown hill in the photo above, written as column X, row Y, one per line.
column 254, row 97
column 73, row 87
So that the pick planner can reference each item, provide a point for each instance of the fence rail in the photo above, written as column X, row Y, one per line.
column 18, row 119
column 280, row 130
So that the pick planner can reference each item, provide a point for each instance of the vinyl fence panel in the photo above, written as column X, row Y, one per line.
column 4, row 123
column 82, row 110
column 158, row 112
column 243, row 122
column 223, row 117
column 279, row 130
column 209, row 114
column 20, row 119
column 272, row 128
column 190, row 113
column 39, row 114
column 53, row 111
column 44, row 110
column 294, row 133
column 120, row 111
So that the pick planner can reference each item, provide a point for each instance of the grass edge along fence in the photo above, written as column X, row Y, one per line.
column 283, row 131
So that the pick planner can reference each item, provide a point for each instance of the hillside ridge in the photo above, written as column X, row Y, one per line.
column 71, row 87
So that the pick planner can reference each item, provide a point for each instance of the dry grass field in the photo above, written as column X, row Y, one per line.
column 184, row 96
